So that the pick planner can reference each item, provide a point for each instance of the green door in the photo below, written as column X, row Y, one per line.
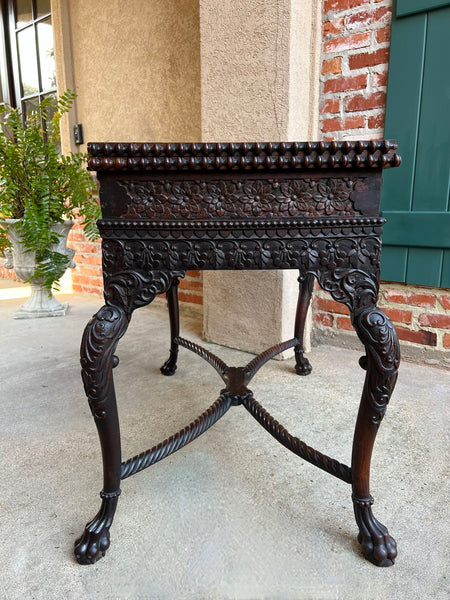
column 415, row 200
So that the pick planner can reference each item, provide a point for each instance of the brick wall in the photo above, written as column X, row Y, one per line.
column 421, row 315
column 356, row 35
column 87, row 277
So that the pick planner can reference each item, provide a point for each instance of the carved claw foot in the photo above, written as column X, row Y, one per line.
column 376, row 543
column 302, row 364
column 95, row 541
column 170, row 366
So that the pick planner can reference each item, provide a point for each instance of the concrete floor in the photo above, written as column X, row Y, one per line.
column 232, row 515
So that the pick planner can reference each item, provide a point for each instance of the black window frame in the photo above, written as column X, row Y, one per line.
column 9, row 56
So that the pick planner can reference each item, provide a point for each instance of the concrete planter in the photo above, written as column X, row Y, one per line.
column 41, row 303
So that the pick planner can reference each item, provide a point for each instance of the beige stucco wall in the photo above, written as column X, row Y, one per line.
column 260, row 69
column 259, row 82
column 136, row 67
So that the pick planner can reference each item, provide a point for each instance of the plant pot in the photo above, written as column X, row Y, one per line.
column 41, row 303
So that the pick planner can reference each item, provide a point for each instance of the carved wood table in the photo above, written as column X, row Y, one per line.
column 167, row 208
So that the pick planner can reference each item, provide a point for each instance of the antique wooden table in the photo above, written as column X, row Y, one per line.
column 168, row 208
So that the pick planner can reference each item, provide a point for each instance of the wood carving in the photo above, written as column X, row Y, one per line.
column 234, row 199
column 167, row 208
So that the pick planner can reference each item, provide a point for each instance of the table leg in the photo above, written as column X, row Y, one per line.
column 97, row 361
column 306, row 282
column 382, row 349
column 170, row 366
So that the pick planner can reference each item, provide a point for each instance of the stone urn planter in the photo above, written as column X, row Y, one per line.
column 41, row 303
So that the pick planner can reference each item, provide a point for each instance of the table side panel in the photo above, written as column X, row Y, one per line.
column 203, row 196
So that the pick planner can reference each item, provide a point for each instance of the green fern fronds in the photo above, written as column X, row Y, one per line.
column 41, row 187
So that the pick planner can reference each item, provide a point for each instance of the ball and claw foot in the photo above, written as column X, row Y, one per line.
column 95, row 540
column 376, row 544
column 302, row 364
column 170, row 366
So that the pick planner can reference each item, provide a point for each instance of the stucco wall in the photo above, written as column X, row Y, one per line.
column 137, row 69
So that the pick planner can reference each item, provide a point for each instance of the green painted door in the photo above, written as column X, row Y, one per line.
column 415, row 200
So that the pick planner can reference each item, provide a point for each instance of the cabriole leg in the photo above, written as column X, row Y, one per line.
column 382, row 349
column 170, row 366
column 302, row 364
column 97, row 361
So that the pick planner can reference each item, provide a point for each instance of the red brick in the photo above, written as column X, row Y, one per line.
column 330, row 106
column 376, row 122
column 332, row 125
column 369, row 59
column 96, row 281
column 328, row 305
column 93, row 271
column 415, row 299
column 192, row 298
column 333, row 27
column 82, row 279
column 332, row 66
column 77, row 236
column 354, row 122
column 191, row 285
column 344, row 323
column 366, row 18
column 445, row 301
column 88, row 248
column 196, row 274
column 426, row 338
column 324, row 319
column 380, row 79
column 397, row 315
column 446, row 340
column 383, row 35
column 342, row 84
column 348, row 42
column 91, row 290
column 376, row 100
column 440, row 321
column 93, row 259
column 342, row 4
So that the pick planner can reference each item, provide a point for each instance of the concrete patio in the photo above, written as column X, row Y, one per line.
column 232, row 515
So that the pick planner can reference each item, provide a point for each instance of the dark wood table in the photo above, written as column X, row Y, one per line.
column 167, row 208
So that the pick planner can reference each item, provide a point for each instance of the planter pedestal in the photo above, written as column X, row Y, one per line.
column 41, row 304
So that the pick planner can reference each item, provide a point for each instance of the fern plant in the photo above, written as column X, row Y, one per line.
column 39, row 186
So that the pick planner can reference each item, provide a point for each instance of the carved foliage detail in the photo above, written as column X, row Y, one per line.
column 317, row 255
column 308, row 197
column 380, row 339
column 100, row 339
column 131, row 288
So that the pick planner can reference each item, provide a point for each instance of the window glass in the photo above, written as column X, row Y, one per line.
column 28, row 62
column 46, row 55
column 28, row 105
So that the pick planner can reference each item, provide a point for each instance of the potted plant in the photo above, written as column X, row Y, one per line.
column 41, row 193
